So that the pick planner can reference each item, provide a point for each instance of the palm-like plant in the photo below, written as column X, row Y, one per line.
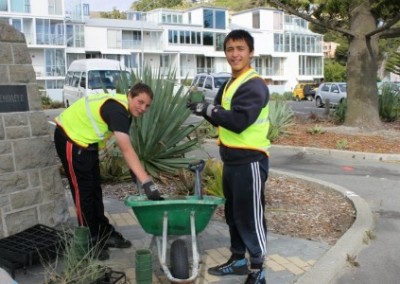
column 160, row 137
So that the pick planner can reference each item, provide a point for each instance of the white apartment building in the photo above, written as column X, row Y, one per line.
column 191, row 41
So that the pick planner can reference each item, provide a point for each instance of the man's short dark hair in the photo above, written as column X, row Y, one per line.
column 238, row 35
column 139, row 88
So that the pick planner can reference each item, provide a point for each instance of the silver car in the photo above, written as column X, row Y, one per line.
column 209, row 84
column 335, row 92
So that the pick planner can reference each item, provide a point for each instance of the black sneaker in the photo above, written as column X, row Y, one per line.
column 256, row 277
column 238, row 267
column 116, row 240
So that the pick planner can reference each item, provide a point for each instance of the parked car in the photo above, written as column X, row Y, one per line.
column 305, row 91
column 335, row 92
column 209, row 84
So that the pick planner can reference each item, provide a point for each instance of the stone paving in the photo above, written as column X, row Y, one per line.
column 288, row 258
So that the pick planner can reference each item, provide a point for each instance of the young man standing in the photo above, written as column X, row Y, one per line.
column 80, row 129
column 240, row 111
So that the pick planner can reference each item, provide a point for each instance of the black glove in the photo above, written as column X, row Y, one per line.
column 198, row 108
column 151, row 191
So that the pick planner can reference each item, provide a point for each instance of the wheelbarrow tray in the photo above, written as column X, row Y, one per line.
column 150, row 213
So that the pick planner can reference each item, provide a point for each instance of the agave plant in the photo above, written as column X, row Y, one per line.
column 160, row 137
column 280, row 117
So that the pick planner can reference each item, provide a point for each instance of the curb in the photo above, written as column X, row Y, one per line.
column 342, row 153
column 351, row 243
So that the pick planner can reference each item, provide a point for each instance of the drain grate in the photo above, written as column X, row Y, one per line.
column 29, row 247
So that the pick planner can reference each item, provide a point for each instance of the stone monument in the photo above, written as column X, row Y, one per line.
column 31, row 191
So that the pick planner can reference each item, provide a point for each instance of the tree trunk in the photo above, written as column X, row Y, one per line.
column 362, row 92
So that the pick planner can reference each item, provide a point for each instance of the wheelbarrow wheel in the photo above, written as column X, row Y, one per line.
column 179, row 260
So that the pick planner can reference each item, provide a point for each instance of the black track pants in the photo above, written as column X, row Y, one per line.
column 243, row 187
column 83, row 172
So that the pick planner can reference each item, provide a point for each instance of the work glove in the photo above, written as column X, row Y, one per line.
column 199, row 108
column 151, row 191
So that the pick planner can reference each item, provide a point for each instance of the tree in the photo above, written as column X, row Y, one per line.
column 114, row 14
column 363, row 23
column 334, row 72
column 147, row 5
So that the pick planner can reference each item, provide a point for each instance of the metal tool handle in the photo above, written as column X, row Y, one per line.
column 197, row 167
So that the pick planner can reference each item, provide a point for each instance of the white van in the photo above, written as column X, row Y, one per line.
column 88, row 76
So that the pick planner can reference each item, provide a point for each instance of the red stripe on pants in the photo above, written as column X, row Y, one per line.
column 74, row 183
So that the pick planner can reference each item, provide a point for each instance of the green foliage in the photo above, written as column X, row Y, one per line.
column 316, row 129
column 339, row 114
column 75, row 267
column 281, row 117
column 393, row 63
column 208, row 130
column 342, row 144
column 212, row 177
column 334, row 72
column 389, row 105
column 114, row 14
column 288, row 96
column 159, row 137
column 48, row 103
column 147, row 5
column 113, row 167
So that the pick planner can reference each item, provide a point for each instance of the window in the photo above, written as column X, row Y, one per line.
column 20, row 6
column 214, row 19
column 131, row 61
column 220, row 20
column 208, row 38
column 17, row 24
column 114, row 39
column 278, row 42
column 219, row 41
column 173, row 36
column 131, row 39
column 208, row 83
column 256, row 20
column 310, row 65
column 278, row 20
column 75, row 35
column 208, row 19
column 3, row 5
column 55, row 7
column 55, row 62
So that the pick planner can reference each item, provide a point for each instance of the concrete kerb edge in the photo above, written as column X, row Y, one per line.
column 343, row 153
column 351, row 243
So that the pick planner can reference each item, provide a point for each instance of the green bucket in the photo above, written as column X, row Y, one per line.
column 143, row 266
column 81, row 241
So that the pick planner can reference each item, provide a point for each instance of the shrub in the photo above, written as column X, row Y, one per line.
column 212, row 177
column 389, row 105
column 281, row 117
column 342, row 144
column 316, row 129
column 339, row 114
column 158, row 137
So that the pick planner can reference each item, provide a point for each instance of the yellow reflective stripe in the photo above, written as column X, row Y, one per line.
column 91, row 118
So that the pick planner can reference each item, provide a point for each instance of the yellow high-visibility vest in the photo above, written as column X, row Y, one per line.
column 253, row 137
column 82, row 121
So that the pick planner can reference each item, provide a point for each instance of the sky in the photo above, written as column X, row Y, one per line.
column 108, row 5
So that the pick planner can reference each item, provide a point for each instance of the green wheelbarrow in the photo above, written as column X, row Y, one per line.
column 175, row 216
